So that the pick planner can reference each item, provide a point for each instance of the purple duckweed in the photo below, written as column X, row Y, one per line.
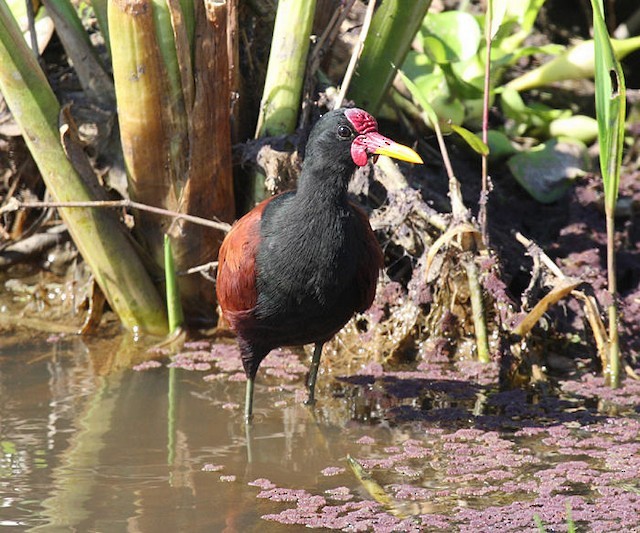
column 147, row 365
column 332, row 471
column 198, row 345
column 591, row 386
column 262, row 483
column 339, row 493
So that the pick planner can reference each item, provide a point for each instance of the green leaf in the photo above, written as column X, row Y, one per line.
column 610, row 106
column 450, row 36
column 529, row 14
column 471, row 139
column 499, row 58
column 498, row 9
column 500, row 146
column 417, row 65
column 546, row 171
column 420, row 99
column 581, row 127
column 532, row 119
column 459, row 86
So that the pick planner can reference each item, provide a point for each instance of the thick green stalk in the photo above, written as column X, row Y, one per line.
column 285, row 71
column 394, row 26
column 174, row 308
column 173, row 106
column 282, row 91
column 101, row 239
column 153, row 136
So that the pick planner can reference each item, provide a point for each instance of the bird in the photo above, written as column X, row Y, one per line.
column 300, row 264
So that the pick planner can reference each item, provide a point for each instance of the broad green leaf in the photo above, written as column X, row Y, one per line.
column 581, row 127
column 546, row 171
column 533, row 118
column 500, row 146
column 530, row 14
column 418, row 66
column 450, row 36
column 498, row 9
column 420, row 99
column 460, row 87
column 449, row 110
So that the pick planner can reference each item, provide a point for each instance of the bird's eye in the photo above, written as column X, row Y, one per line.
column 344, row 132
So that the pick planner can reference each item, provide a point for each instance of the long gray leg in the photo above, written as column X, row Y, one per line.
column 248, row 401
column 313, row 373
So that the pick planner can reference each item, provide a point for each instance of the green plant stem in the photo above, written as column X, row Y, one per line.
column 477, row 310
column 610, row 111
column 285, row 71
column 283, row 85
column 174, row 308
column 613, row 374
column 357, row 51
column 102, row 240
column 393, row 28
column 576, row 63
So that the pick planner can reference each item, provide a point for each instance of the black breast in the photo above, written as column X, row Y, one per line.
column 306, row 268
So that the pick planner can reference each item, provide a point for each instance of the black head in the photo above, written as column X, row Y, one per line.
column 341, row 140
column 350, row 136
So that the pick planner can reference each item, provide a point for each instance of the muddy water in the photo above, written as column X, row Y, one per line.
column 146, row 451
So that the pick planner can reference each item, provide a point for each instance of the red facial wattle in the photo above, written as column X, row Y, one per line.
column 371, row 143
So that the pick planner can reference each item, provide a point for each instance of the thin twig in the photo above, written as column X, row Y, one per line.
column 15, row 204
column 548, row 262
column 329, row 33
column 356, row 54
column 457, row 205
column 200, row 268
column 324, row 42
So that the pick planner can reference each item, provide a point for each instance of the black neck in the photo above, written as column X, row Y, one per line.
column 325, row 180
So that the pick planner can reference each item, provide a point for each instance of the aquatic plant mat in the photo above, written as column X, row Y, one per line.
column 440, row 448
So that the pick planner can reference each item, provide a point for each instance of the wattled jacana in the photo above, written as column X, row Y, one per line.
column 297, row 267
